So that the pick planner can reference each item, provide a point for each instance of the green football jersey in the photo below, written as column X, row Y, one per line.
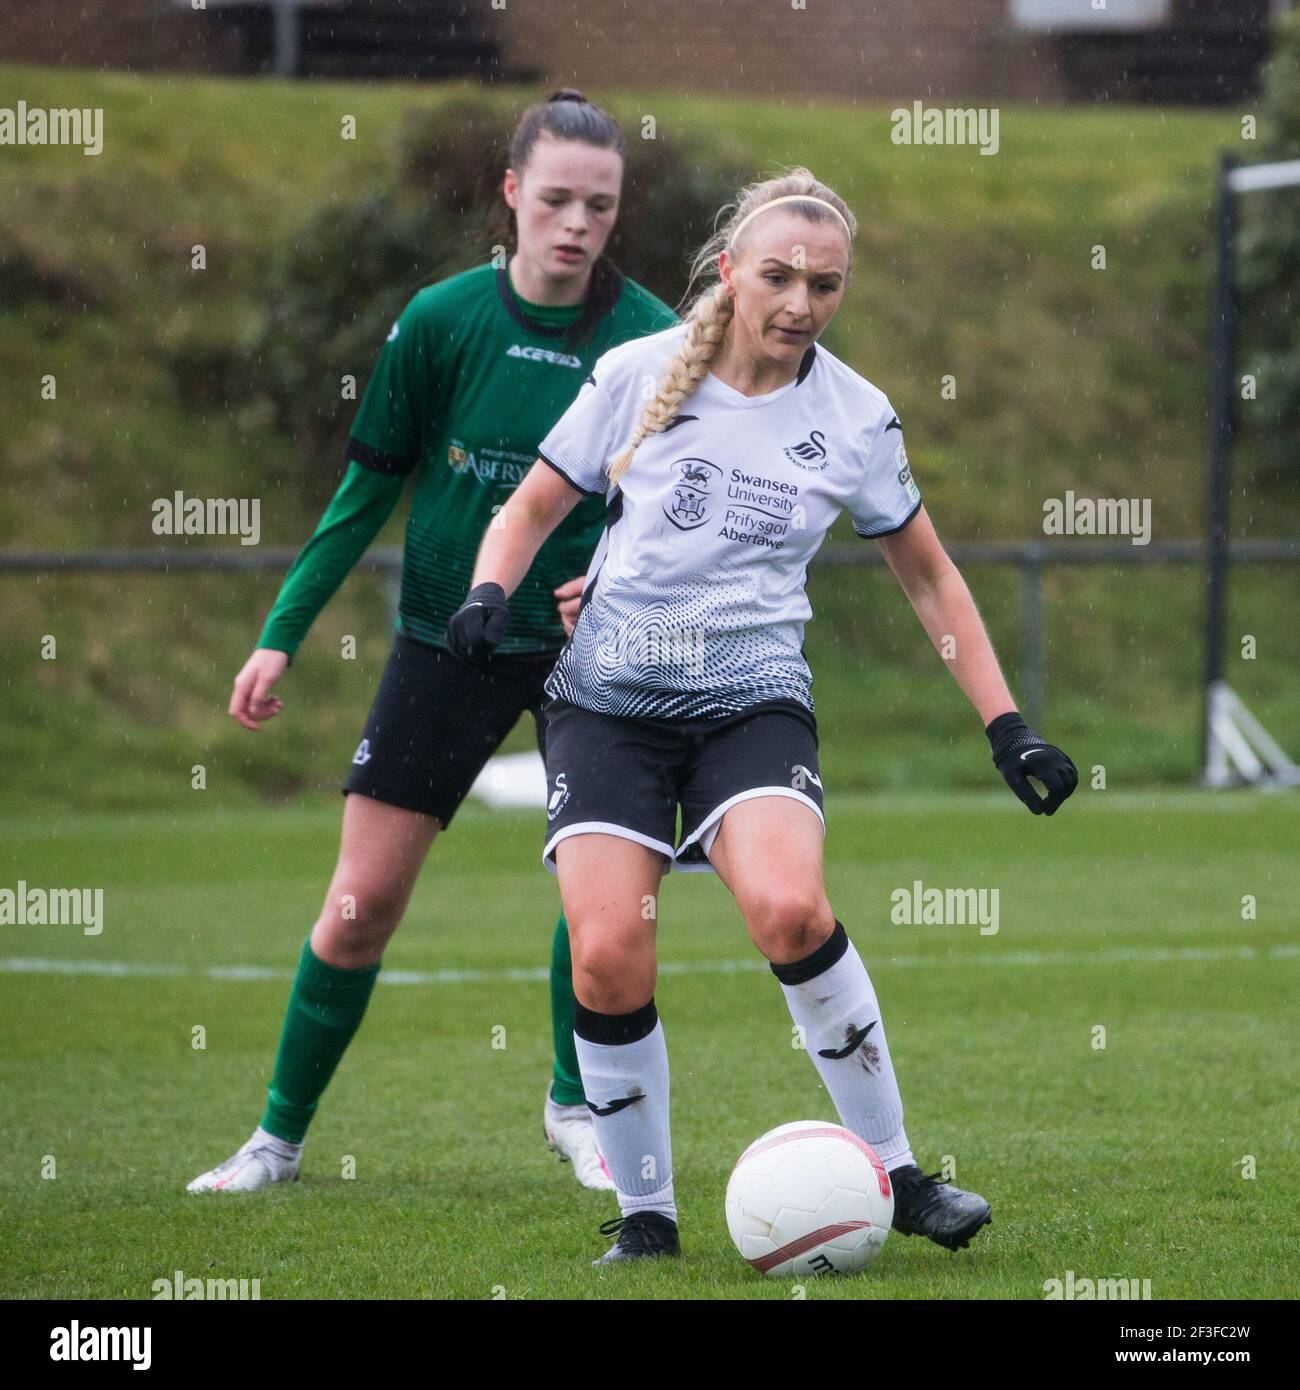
column 470, row 380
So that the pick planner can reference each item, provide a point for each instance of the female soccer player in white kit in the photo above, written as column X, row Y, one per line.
column 726, row 446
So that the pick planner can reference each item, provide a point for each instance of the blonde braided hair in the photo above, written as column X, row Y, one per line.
column 711, row 311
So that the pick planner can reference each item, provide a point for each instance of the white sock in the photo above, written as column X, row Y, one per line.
column 832, row 1001
column 284, row 1147
column 623, row 1058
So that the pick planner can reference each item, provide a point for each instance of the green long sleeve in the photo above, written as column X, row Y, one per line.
column 354, row 517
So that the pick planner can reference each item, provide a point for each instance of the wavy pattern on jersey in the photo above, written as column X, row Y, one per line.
column 680, row 651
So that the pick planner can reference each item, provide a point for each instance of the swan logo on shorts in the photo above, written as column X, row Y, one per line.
column 363, row 755
column 559, row 796
column 687, row 505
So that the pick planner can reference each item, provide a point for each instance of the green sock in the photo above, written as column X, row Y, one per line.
column 325, row 1010
column 566, row 1080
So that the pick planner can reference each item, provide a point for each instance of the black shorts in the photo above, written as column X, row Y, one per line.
column 435, row 722
column 627, row 777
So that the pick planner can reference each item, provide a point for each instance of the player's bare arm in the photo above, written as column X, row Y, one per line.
column 939, row 595
column 941, row 600
column 511, row 543
column 509, row 547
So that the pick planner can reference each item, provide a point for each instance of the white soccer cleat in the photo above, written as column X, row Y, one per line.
column 571, row 1134
column 264, row 1159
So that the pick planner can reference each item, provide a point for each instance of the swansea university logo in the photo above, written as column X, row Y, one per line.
column 689, row 498
column 810, row 454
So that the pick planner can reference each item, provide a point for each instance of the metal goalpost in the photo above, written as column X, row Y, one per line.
column 1237, row 746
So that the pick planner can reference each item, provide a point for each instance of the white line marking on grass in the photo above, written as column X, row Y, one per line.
column 23, row 965
column 18, row 965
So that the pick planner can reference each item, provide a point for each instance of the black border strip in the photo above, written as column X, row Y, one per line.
column 830, row 952
column 377, row 460
column 543, row 330
column 577, row 487
column 614, row 1030
column 893, row 530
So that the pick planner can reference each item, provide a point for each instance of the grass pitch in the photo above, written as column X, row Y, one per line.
column 1124, row 912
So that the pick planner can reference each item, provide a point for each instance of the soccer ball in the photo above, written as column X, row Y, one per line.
column 809, row 1198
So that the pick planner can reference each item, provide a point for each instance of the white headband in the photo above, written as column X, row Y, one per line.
column 789, row 198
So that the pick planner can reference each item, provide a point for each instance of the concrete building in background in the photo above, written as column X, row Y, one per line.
column 1183, row 51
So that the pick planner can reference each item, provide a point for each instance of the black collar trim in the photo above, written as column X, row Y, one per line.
column 547, row 330
column 806, row 365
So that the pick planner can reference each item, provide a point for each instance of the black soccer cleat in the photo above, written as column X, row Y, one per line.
column 643, row 1235
column 926, row 1206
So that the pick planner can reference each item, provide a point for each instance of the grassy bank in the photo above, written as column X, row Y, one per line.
column 970, row 268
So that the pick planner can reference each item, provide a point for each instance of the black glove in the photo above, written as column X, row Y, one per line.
column 1019, row 753
column 476, row 627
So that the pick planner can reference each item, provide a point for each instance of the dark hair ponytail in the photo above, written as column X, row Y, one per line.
column 564, row 115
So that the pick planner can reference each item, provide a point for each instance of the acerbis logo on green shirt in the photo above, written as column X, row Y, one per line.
column 536, row 354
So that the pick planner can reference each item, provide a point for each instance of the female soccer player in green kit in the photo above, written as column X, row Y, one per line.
column 474, row 373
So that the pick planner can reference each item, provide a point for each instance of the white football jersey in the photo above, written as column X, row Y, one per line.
column 695, row 601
